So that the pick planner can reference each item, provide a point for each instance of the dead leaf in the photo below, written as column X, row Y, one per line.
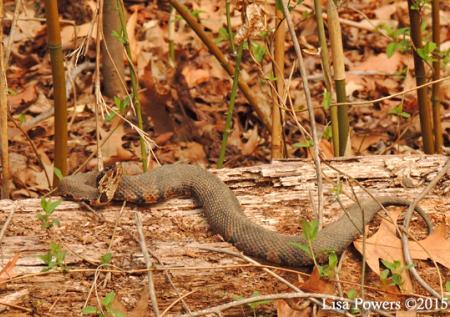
column 284, row 310
column 40, row 105
column 385, row 12
column 385, row 244
column 195, row 76
column 360, row 143
column 7, row 271
column 436, row 244
column 113, row 150
column 190, row 152
column 315, row 284
column 139, row 310
column 71, row 35
column 26, row 96
column 381, row 63
column 246, row 147
column 131, row 30
column 154, row 99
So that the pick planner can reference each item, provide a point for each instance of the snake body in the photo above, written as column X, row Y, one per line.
column 224, row 214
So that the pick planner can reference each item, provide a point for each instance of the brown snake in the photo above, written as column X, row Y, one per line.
column 223, row 211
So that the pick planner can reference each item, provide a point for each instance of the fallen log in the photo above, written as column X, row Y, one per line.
column 274, row 195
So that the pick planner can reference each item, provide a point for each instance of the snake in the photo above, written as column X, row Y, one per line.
column 224, row 214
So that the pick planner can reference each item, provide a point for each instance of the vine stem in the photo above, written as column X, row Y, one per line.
column 229, row 117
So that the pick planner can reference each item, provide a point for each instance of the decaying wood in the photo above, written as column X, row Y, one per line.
column 275, row 195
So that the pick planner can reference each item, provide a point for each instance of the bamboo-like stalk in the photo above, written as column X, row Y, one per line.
column 134, row 84
column 278, row 96
column 422, row 94
column 59, row 86
column 229, row 28
column 339, row 74
column 229, row 118
column 170, row 36
column 113, row 69
column 435, row 101
column 3, row 116
column 327, row 73
column 209, row 42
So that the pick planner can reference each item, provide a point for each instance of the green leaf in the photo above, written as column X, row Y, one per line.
column 332, row 260
column 327, row 133
column 106, row 258
column 117, row 101
column 52, row 206
column 310, row 229
column 391, row 49
column 259, row 51
column 304, row 144
column 196, row 13
column 397, row 279
column 109, row 116
column 46, row 258
column 384, row 275
column 398, row 111
column 271, row 77
column 326, row 100
column 351, row 294
column 426, row 51
column 22, row 118
column 89, row 310
column 119, row 37
column 447, row 286
column 237, row 297
column 116, row 313
column 303, row 247
column 279, row 5
column 49, row 206
column 255, row 305
column 223, row 35
column 108, row 298
column 445, row 55
column 58, row 173
column 12, row 92
column 337, row 189
column 393, row 266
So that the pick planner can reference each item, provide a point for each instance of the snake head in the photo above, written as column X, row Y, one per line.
column 107, row 183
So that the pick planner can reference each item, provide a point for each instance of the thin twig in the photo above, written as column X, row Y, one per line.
column 337, row 271
column 148, row 263
column 403, row 92
column 220, row 308
column 364, row 239
column 12, row 32
column 28, row 310
column 169, row 279
column 273, row 274
column 401, row 230
column 34, row 148
column 176, row 301
column 404, row 236
column 8, row 220
column 309, row 105
column 98, row 94
column 113, row 237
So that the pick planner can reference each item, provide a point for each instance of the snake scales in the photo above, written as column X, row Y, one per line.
column 223, row 211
